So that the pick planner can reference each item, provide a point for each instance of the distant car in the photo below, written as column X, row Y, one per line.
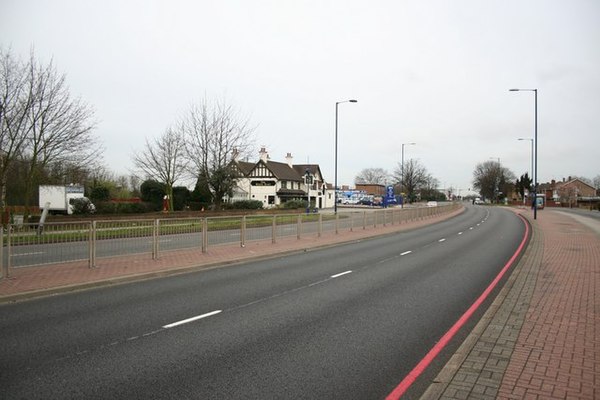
column 479, row 201
column 365, row 201
column 432, row 204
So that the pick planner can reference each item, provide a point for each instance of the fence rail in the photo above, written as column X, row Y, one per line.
column 26, row 245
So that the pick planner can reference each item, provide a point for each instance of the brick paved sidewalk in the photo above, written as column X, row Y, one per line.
column 56, row 278
column 539, row 339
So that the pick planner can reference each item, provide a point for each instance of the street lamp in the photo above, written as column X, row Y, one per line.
column 402, row 170
column 531, row 140
column 535, row 171
column 336, row 151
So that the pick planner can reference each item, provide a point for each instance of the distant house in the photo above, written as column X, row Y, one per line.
column 567, row 192
column 373, row 189
column 275, row 183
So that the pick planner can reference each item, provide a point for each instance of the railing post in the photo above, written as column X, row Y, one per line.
column 204, row 235
column 337, row 223
column 351, row 222
column 90, row 244
column 155, row 239
column 8, row 251
column 299, row 226
column 94, row 235
column 274, row 230
column 1, row 252
column 243, row 232
column 320, row 225
column 364, row 220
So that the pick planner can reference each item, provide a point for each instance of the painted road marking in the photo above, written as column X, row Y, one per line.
column 406, row 252
column 460, row 233
column 442, row 240
column 186, row 321
column 340, row 274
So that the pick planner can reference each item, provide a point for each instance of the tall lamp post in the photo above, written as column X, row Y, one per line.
column 336, row 152
column 535, row 141
column 402, row 170
column 531, row 140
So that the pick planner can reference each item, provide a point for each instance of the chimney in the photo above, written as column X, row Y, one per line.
column 289, row 159
column 235, row 154
column 264, row 156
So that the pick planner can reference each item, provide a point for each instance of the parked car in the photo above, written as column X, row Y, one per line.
column 432, row 204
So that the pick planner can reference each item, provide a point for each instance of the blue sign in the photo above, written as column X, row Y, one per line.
column 389, row 198
column 390, row 192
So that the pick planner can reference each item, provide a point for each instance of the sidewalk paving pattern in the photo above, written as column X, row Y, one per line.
column 538, row 340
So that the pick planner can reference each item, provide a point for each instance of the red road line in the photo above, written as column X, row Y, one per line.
column 435, row 350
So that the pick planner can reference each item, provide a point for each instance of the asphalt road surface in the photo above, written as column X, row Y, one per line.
column 347, row 322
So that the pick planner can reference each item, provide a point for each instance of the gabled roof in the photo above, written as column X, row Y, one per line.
column 283, row 171
column 314, row 169
column 571, row 182
column 244, row 167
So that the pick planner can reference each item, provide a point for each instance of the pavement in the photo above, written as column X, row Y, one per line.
column 538, row 340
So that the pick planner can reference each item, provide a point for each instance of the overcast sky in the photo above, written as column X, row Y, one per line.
column 436, row 73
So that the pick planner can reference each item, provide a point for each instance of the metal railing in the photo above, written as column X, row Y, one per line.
column 26, row 245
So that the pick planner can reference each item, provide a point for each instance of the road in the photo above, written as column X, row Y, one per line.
column 345, row 322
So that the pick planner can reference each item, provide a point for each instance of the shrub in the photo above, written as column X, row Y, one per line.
column 245, row 205
column 153, row 192
column 295, row 204
column 181, row 196
column 83, row 206
column 99, row 193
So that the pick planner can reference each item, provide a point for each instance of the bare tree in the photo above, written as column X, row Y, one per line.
column 59, row 126
column 491, row 179
column 14, row 104
column 40, row 124
column 596, row 182
column 378, row 176
column 414, row 178
column 164, row 160
column 214, row 132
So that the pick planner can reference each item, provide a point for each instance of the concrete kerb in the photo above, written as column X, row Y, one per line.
column 299, row 246
column 478, row 366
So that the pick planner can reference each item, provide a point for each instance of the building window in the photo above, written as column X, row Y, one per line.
column 284, row 184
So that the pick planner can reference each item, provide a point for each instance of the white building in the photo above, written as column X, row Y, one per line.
column 274, row 182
